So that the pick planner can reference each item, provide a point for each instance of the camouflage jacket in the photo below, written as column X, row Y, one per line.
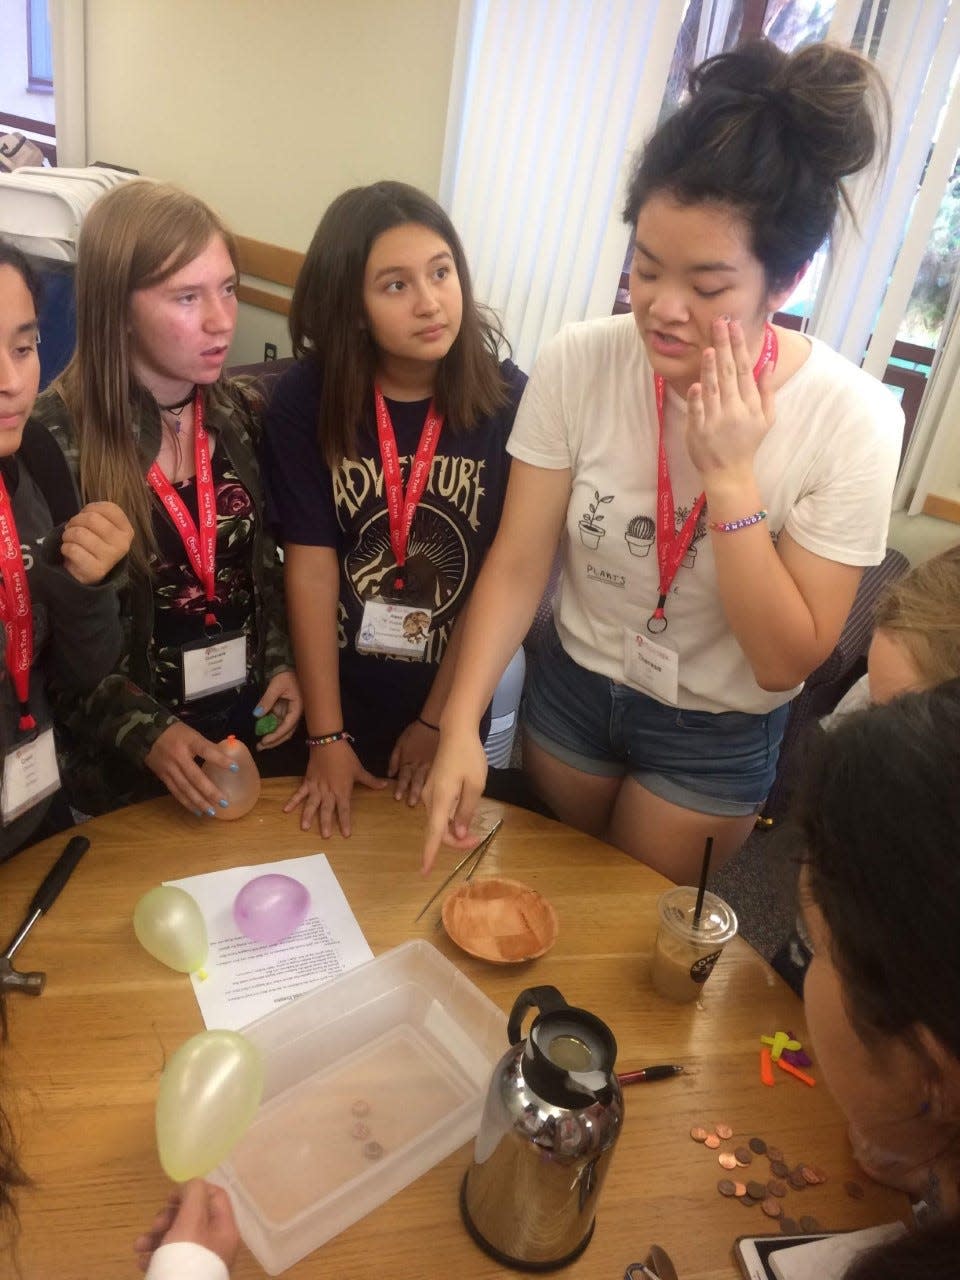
column 110, row 731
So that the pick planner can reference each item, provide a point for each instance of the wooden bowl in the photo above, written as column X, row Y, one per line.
column 500, row 920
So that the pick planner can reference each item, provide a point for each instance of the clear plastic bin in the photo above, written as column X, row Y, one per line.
column 406, row 1035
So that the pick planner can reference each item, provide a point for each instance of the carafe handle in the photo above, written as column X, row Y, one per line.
column 546, row 999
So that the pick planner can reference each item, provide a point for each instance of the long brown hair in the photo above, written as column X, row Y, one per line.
column 137, row 235
column 327, row 320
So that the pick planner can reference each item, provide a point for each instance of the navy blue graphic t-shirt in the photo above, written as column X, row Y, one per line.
column 454, row 524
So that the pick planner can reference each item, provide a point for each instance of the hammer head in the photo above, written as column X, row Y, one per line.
column 12, row 979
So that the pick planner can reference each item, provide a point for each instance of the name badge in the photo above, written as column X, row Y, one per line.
column 210, row 666
column 399, row 630
column 30, row 774
column 651, row 667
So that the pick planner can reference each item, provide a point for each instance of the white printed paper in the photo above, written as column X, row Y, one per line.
column 246, row 979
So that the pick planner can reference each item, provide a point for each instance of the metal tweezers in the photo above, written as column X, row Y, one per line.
column 476, row 853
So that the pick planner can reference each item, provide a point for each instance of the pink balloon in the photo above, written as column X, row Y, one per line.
column 269, row 908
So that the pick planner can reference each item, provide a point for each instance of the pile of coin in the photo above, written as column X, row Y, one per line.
column 769, row 1193
column 361, row 1130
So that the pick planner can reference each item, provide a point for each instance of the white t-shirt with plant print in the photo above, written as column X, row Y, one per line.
column 825, row 471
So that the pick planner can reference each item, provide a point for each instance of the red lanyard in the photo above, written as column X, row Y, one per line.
column 672, row 546
column 402, row 506
column 200, row 546
column 15, row 609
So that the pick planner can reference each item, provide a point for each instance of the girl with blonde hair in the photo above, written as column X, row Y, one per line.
column 145, row 418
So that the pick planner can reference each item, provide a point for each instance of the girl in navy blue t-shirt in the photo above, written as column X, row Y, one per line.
column 387, row 468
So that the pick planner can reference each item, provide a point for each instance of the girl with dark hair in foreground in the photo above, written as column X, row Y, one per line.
column 880, row 814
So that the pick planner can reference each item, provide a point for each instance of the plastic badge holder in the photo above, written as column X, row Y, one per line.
column 404, row 1040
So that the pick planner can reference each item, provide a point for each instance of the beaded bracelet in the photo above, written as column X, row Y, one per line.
column 324, row 739
column 427, row 725
column 731, row 526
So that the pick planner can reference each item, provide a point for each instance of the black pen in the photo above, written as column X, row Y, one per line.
column 645, row 1074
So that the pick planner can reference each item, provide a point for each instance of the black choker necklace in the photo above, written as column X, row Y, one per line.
column 180, row 405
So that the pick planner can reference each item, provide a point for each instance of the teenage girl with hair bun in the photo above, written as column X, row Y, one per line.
column 764, row 461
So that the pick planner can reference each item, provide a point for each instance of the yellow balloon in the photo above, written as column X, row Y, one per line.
column 209, row 1093
column 169, row 925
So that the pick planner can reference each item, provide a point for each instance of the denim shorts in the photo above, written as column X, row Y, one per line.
column 721, row 763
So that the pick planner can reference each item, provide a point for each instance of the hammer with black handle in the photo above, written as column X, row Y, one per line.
column 43, row 900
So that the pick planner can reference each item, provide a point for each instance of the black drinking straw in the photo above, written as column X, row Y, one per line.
column 707, row 850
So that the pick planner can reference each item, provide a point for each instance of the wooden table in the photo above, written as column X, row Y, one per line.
column 84, row 1060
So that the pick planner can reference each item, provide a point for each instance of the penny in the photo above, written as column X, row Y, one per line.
column 360, row 1130
column 749, row 1201
column 711, row 1141
column 796, row 1180
column 373, row 1150
column 809, row 1175
column 741, row 1189
column 854, row 1190
column 777, row 1167
column 757, row 1146
column 744, row 1156
column 727, row 1160
column 809, row 1226
column 789, row 1226
column 771, row 1207
column 726, row 1187
column 776, row 1188
column 757, row 1190
column 723, row 1131
column 697, row 1133
column 817, row 1172
column 774, row 1153
column 361, row 1107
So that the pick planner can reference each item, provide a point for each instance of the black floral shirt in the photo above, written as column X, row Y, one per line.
column 179, row 600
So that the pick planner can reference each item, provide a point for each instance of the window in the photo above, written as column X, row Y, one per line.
column 26, row 74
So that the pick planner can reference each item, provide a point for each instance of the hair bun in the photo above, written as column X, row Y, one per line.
column 829, row 100
column 839, row 103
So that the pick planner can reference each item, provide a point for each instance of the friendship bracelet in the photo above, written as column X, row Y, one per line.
column 324, row 739
column 731, row 526
column 427, row 725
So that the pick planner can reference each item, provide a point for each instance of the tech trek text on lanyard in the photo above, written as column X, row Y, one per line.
column 672, row 545
column 30, row 768
column 401, row 507
column 400, row 628
column 209, row 666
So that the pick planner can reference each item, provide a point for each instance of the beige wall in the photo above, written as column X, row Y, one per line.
column 268, row 109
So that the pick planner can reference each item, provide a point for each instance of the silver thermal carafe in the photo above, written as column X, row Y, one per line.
column 552, row 1115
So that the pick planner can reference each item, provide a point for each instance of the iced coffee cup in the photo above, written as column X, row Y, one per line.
column 684, row 956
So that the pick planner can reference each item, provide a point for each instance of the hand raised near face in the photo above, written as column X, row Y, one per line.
column 728, row 412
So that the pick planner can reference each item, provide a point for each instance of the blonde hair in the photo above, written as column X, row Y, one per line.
column 137, row 235
column 922, row 610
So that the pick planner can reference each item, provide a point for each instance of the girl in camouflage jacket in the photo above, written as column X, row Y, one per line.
column 144, row 416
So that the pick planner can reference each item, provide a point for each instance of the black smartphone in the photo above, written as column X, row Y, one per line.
column 753, row 1253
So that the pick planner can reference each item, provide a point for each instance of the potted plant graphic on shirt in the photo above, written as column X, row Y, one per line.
column 640, row 534
column 698, row 534
column 591, row 527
